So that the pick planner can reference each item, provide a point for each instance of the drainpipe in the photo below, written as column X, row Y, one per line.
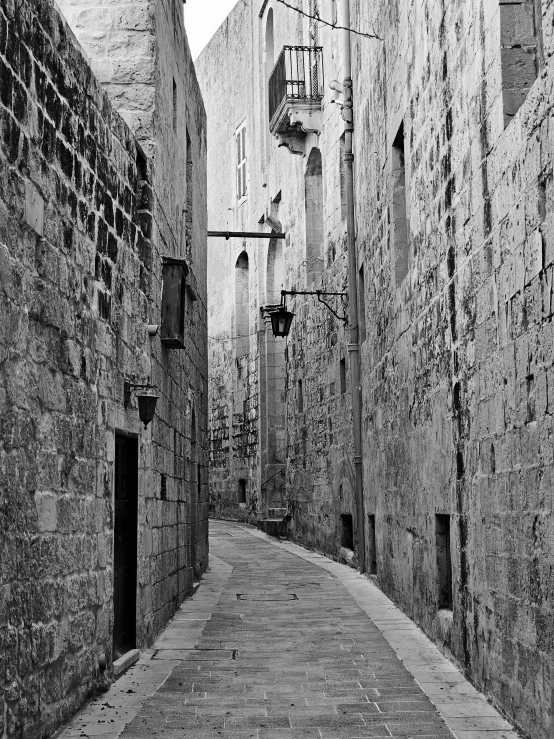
column 353, row 345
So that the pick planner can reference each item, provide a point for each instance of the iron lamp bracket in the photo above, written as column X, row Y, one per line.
column 318, row 293
column 130, row 387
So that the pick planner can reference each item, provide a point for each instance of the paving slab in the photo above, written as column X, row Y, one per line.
column 286, row 644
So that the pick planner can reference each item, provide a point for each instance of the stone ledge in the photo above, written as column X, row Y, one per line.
column 126, row 661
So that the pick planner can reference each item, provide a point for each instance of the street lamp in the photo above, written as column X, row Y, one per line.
column 146, row 400
column 281, row 318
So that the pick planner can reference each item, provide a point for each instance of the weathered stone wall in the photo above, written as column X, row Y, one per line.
column 76, row 298
column 454, row 206
column 288, row 458
column 458, row 356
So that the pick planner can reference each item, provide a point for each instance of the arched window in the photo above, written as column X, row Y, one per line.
column 242, row 301
column 314, row 215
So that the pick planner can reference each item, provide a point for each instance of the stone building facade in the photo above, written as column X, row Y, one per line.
column 279, row 410
column 454, row 208
column 102, row 240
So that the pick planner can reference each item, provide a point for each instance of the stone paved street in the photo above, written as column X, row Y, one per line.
column 288, row 651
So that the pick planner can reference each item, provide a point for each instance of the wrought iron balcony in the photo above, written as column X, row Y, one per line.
column 295, row 94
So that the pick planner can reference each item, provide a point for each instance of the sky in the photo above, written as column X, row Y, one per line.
column 202, row 19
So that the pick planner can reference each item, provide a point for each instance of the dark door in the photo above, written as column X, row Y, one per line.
column 125, row 544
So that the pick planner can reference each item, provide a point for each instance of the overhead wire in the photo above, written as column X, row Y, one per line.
column 316, row 17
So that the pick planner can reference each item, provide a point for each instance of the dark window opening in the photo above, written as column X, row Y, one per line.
column 242, row 490
column 142, row 166
column 444, row 561
column 521, row 53
column 347, row 531
column 399, row 210
column 361, row 304
column 300, row 397
column 342, row 378
column 372, row 545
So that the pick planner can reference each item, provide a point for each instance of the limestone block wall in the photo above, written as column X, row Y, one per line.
column 288, row 457
column 78, row 287
column 453, row 172
column 458, row 355
column 140, row 53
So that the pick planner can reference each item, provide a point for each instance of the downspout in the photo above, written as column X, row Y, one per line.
column 353, row 345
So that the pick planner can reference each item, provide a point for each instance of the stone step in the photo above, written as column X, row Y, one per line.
column 276, row 527
column 276, row 512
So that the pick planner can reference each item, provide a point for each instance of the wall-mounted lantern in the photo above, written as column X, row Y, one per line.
column 146, row 400
column 281, row 318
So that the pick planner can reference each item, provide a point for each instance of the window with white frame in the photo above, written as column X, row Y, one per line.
column 240, row 139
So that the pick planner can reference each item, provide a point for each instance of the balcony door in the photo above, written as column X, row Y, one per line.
column 125, row 544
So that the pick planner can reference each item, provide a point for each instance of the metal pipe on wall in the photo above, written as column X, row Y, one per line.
column 353, row 345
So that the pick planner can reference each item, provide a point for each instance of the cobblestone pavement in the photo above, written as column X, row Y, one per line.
column 288, row 651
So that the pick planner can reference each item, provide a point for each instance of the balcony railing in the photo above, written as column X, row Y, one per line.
column 298, row 75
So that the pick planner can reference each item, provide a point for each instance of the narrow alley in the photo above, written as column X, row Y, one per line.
column 276, row 268
column 282, row 643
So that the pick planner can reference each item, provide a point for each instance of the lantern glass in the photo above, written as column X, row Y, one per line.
column 147, row 407
column 281, row 321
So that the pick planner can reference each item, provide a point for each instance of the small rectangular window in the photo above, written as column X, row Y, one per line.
column 520, row 52
column 444, row 562
column 361, row 304
column 342, row 378
column 347, row 531
column 372, row 546
column 240, row 139
column 300, row 397
column 401, row 238
column 242, row 490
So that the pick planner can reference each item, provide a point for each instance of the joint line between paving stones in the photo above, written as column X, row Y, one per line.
column 482, row 713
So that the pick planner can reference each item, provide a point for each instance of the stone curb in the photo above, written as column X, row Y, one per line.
column 107, row 715
column 465, row 711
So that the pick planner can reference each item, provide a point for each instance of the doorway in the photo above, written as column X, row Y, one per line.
column 125, row 544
